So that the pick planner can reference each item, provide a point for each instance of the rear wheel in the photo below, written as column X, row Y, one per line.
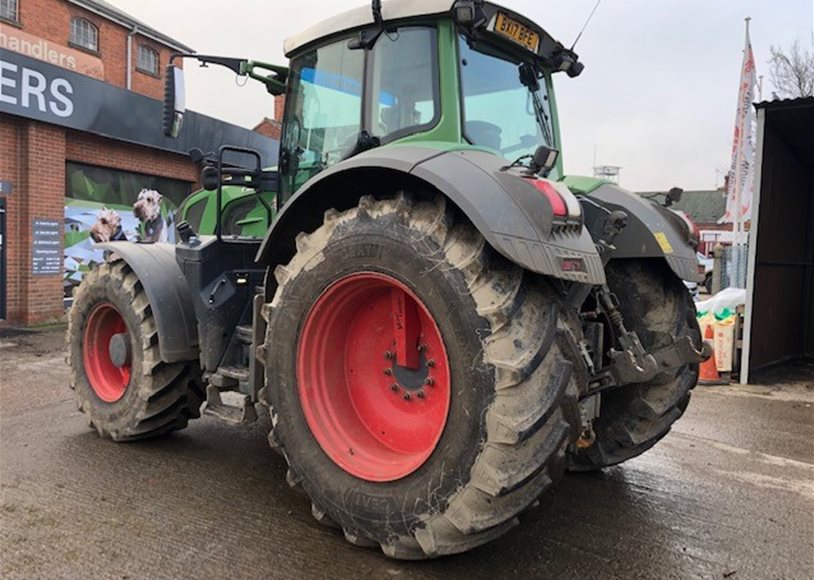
column 119, row 380
column 633, row 418
column 417, row 384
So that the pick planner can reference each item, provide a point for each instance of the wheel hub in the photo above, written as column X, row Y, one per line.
column 106, row 352
column 119, row 349
column 373, row 377
column 412, row 379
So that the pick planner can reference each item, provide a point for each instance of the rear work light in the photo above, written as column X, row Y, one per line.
column 563, row 203
column 554, row 198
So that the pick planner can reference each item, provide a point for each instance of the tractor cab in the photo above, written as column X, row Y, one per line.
column 441, row 76
column 462, row 74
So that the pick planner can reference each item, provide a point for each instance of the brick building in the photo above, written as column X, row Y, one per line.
column 273, row 127
column 80, row 135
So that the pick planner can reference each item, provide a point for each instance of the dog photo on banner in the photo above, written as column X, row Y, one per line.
column 103, row 205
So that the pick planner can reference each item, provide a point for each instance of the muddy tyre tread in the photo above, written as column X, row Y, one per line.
column 168, row 395
column 527, row 435
column 635, row 419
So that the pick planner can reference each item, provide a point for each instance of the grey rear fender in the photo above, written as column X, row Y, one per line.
column 652, row 231
column 514, row 218
column 168, row 293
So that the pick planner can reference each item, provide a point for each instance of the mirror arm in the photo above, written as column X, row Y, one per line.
column 275, row 81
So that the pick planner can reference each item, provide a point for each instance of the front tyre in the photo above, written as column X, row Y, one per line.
column 116, row 372
column 416, row 382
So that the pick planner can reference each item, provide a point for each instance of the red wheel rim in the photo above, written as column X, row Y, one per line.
column 107, row 380
column 373, row 377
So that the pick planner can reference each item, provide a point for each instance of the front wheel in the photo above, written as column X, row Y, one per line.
column 118, row 378
column 416, row 382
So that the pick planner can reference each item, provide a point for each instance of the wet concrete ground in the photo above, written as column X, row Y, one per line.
column 728, row 494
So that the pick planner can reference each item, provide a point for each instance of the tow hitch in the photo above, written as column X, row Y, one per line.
column 631, row 363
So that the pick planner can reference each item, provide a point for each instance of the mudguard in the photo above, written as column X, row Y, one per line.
column 513, row 216
column 652, row 231
column 169, row 295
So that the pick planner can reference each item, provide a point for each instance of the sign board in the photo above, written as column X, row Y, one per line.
column 37, row 90
column 46, row 247
column 35, row 47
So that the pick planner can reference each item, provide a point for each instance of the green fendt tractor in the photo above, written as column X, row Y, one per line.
column 438, row 321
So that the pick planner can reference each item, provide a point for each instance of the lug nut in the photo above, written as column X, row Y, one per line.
column 420, row 394
column 406, row 396
column 422, row 347
column 429, row 381
column 388, row 372
column 388, row 355
column 394, row 387
column 431, row 363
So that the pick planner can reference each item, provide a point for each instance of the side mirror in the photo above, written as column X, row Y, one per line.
column 174, row 107
column 543, row 161
column 674, row 196
column 209, row 178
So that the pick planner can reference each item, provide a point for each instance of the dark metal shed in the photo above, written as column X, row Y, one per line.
column 779, row 322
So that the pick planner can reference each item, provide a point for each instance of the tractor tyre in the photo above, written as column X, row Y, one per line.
column 436, row 456
column 657, row 306
column 119, row 381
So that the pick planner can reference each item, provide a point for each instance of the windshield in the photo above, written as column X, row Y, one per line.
column 500, row 112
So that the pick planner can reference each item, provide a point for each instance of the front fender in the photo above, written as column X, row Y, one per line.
column 168, row 293
column 652, row 231
column 514, row 218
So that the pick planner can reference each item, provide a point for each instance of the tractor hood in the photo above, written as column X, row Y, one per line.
column 482, row 18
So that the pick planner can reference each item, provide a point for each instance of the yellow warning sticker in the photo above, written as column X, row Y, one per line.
column 663, row 242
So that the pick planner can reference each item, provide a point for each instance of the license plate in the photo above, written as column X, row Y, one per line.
column 512, row 29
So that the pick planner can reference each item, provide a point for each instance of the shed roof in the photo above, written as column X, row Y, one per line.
column 703, row 206
column 793, row 119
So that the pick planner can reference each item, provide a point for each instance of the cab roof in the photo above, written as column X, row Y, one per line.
column 363, row 16
column 550, row 51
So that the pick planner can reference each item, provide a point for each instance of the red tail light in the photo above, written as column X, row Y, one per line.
column 556, row 200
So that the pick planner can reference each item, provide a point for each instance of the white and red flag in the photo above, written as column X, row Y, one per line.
column 739, row 184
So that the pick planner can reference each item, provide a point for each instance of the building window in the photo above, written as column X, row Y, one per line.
column 84, row 34
column 147, row 60
column 9, row 10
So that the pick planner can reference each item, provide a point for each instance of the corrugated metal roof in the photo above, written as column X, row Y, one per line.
column 781, row 103
column 793, row 121
column 111, row 12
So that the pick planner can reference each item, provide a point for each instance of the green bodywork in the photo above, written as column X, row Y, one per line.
column 583, row 185
column 243, row 214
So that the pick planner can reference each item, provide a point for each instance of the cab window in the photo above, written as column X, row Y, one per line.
column 404, row 83
column 324, row 112
column 194, row 213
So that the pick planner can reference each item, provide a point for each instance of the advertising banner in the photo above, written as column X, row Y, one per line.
column 103, row 205
column 739, row 184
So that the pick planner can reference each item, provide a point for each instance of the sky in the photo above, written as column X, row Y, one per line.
column 657, row 97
